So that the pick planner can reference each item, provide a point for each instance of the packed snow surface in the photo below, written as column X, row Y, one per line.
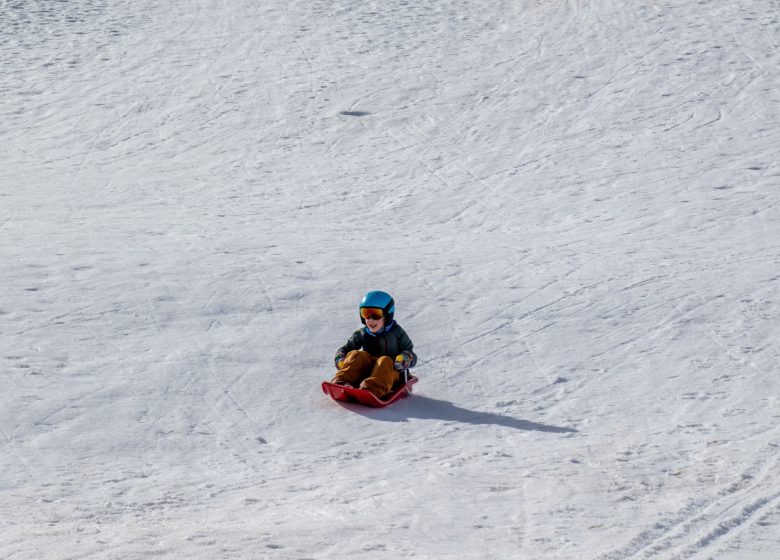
column 576, row 205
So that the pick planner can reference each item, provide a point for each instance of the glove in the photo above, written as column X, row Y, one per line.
column 403, row 360
column 339, row 359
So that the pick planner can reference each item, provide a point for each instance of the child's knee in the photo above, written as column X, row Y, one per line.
column 359, row 358
column 384, row 362
column 384, row 369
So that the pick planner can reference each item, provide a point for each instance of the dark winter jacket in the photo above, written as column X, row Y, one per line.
column 390, row 341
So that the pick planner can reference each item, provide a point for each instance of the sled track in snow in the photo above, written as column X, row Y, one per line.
column 706, row 524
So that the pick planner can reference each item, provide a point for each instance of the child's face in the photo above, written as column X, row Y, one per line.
column 375, row 325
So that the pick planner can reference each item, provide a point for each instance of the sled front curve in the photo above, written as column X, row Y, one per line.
column 364, row 397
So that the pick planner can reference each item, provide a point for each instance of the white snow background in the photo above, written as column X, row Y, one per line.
column 576, row 205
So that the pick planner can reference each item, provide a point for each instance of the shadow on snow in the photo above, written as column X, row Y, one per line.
column 426, row 408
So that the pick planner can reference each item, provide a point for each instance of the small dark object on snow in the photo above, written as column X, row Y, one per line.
column 355, row 113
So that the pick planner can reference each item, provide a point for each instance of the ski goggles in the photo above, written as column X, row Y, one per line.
column 371, row 313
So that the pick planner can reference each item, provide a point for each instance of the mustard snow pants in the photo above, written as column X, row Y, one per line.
column 362, row 369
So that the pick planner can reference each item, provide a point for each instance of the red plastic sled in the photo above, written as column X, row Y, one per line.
column 364, row 397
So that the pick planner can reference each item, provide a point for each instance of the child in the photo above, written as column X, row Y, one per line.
column 367, row 357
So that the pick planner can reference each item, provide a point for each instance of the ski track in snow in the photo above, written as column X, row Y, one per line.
column 574, row 203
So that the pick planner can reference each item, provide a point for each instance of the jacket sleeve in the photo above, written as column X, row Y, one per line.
column 406, row 345
column 355, row 342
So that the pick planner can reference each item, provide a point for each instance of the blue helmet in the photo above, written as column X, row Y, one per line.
column 380, row 300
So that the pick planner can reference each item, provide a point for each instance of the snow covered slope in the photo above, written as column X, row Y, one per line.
column 575, row 204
